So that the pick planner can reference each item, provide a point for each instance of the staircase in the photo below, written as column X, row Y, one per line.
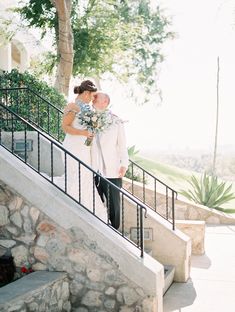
column 46, row 128
column 47, row 227
column 47, row 117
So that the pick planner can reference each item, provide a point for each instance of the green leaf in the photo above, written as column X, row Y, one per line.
column 123, row 38
column 208, row 191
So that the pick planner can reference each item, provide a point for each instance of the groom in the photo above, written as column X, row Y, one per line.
column 110, row 157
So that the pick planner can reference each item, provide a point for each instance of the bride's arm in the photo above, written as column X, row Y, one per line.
column 68, row 117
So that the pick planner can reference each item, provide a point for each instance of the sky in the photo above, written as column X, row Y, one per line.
column 205, row 29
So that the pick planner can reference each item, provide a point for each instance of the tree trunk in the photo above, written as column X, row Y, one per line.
column 97, row 82
column 65, row 45
column 217, row 120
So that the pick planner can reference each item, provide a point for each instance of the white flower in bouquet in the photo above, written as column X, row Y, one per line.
column 95, row 121
column 94, row 118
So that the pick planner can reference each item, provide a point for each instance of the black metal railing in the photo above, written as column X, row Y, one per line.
column 34, row 108
column 10, row 136
column 152, row 192
column 47, row 117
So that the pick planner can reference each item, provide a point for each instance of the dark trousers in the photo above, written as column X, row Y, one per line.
column 112, row 198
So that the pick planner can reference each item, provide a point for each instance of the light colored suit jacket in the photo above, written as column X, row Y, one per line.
column 113, row 154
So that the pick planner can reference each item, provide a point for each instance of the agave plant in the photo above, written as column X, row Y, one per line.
column 208, row 191
column 136, row 175
column 132, row 152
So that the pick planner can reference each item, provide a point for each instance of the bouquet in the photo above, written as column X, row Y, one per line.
column 95, row 121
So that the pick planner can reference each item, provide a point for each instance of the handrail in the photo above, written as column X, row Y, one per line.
column 163, row 203
column 39, row 112
column 151, row 175
column 58, row 136
column 35, row 93
column 141, row 208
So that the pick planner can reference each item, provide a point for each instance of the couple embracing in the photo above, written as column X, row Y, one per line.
column 102, row 148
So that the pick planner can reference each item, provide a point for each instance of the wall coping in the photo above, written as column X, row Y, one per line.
column 192, row 222
column 28, row 284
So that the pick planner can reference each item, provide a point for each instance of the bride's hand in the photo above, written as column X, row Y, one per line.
column 88, row 134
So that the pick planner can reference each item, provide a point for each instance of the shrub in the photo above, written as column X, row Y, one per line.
column 32, row 104
column 17, row 79
column 208, row 191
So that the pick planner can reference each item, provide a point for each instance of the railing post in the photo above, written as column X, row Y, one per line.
column 17, row 101
column 155, row 195
column 108, row 202
column 65, row 172
column 80, row 183
column 132, row 180
column 48, row 119
column 144, row 186
column 38, row 112
column 52, row 163
column 123, row 216
column 93, row 192
column 12, row 134
column 141, row 232
column 58, row 126
column 28, row 106
column 39, row 160
column 167, row 203
column 173, row 210
column 25, row 143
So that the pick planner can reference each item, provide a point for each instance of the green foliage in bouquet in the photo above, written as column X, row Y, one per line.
column 208, row 191
column 32, row 103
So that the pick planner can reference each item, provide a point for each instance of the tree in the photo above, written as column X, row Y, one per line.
column 120, row 37
column 5, row 33
column 64, row 44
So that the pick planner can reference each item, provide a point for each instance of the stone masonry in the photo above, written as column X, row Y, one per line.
column 39, row 291
column 95, row 281
column 184, row 209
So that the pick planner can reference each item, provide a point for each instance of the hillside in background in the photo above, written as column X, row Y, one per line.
column 173, row 175
column 198, row 160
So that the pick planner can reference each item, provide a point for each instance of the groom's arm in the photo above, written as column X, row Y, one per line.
column 123, row 153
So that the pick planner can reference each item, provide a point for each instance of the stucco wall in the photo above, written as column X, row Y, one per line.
column 166, row 246
column 32, row 156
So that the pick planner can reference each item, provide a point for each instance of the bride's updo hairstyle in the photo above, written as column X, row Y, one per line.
column 86, row 85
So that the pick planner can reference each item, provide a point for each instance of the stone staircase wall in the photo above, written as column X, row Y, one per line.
column 40, row 225
column 184, row 209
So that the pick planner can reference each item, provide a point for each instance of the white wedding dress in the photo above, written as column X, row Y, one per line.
column 80, row 184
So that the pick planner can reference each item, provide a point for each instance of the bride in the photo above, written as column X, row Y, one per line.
column 79, row 179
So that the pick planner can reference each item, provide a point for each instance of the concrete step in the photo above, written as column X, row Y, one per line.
column 169, row 272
